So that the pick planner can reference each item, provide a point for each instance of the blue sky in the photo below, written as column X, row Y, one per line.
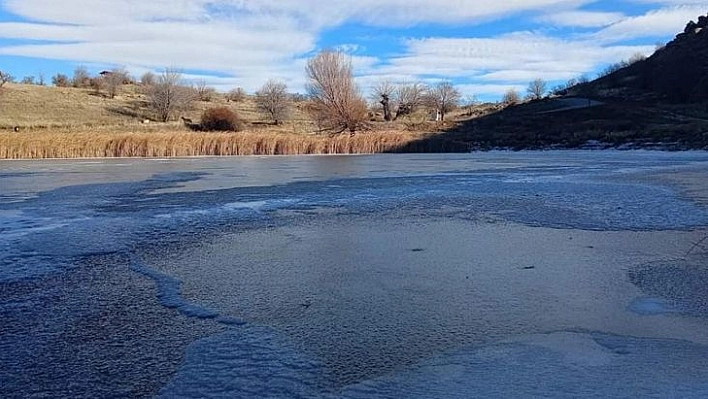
column 484, row 46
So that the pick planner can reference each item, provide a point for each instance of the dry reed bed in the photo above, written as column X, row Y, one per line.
column 34, row 144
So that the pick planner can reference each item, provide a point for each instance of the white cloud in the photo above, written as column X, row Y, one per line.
column 583, row 19
column 514, row 57
column 656, row 23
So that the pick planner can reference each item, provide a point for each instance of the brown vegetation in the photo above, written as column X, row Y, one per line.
column 5, row 78
column 337, row 105
column 168, row 95
column 114, row 80
column 511, row 97
column 272, row 99
column 221, row 119
column 98, row 143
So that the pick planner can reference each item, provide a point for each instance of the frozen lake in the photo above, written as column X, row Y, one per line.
column 545, row 274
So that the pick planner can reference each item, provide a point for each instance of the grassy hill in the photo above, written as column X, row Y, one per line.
column 31, row 107
column 57, row 122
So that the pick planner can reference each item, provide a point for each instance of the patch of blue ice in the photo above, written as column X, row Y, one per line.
column 651, row 306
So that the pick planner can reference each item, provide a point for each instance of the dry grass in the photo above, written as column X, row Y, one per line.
column 90, row 144
column 77, row 123
column 44, row 107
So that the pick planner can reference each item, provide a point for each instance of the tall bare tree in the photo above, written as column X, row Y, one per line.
column 168, row 95
column 273, row 100
column 383, row 93
column 337, row 103
column 444, row 97
column 409, row 97
column 537, row 89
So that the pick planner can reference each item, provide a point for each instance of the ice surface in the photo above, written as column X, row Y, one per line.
column 500, row 274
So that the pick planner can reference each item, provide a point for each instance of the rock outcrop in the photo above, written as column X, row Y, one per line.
column 678, row 72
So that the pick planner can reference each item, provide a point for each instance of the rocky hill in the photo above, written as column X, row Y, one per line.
column 677, row 73
column 660, row 102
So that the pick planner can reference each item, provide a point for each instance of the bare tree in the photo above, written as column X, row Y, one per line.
column 203, row 91
column 511, row 97
column 537, row 89
column 114, row 80
column 337, row 103
column 82, row 78
column 273, row 100
column 148, row 79
column 41, row 81
column 444, row 97
column 168, row 95
column 27, row 80
column 383, row 94
column 236, row 95
column 409, row 97
column 5, row 77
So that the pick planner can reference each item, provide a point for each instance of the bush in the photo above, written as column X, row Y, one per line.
column 61, row 80
column 236, row 95
column 148, row 79
column 221, row 119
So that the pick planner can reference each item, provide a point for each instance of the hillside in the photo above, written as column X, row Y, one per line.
column 677, row 72
column 660, row 102
column 58, row 122
column 34, row 108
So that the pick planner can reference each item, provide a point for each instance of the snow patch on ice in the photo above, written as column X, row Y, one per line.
column 170, row 292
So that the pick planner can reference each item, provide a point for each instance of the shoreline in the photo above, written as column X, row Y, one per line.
column 176, row 145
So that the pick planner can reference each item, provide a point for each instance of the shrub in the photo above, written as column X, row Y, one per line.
column 236, row 95
column 61, row 80
column 202, row 91
column 114, row 80
column 148, row 79
column 511, row 97
column 221, row 119
column 82, row 78
column 5, row 77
